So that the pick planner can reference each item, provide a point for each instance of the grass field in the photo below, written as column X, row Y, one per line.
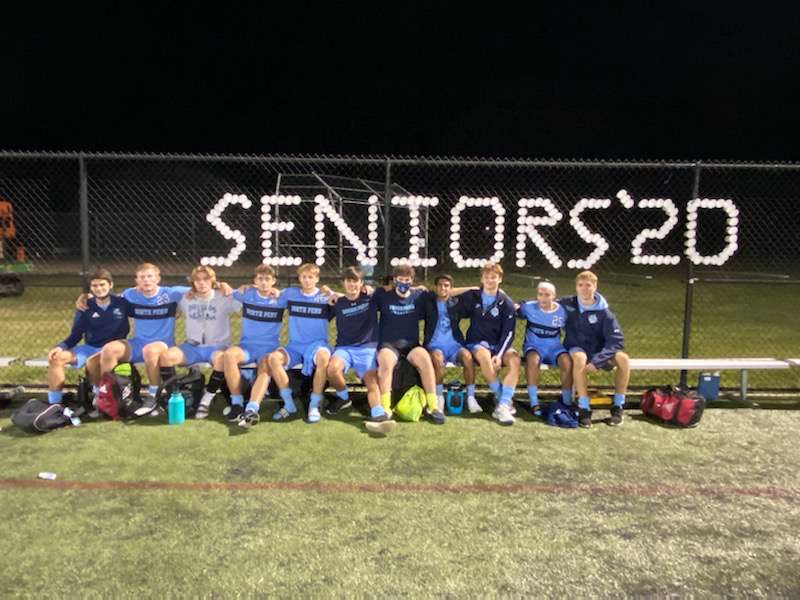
column 469, row 509
column 729, row 320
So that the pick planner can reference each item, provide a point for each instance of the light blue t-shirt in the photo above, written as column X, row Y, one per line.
column 261, row 318
column 443, row 334
column 487, row 300
column 308, row 316
column 154, row 316
column 542, row 329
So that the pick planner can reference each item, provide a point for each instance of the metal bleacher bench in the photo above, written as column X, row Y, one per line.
column 743, row 365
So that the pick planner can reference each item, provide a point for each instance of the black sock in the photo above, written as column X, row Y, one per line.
column 215, row 382
column 166, row 374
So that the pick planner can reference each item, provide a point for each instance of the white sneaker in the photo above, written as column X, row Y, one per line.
column 512, row 409
column 503, row 415
column 473, row 406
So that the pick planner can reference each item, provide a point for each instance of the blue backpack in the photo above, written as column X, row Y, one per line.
column 559, row 414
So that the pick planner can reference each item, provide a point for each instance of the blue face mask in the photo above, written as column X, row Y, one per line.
column 402, row 287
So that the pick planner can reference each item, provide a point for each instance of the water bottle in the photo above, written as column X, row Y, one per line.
column 455, row 398
column 176, row 408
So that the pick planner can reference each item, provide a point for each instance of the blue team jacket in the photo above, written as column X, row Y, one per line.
column 494, row 326
column 99, row 326
column 596, row 330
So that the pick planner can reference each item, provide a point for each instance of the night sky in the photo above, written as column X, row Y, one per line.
column 671, row 80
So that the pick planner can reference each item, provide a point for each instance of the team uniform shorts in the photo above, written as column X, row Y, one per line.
column 83, row 353
column 193, row 354
column 304, row 356
column 548, row 355
column 449, row 351
column 359, row 358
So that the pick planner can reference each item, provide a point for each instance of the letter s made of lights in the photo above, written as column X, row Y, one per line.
column 598, row 241
column 215, row 218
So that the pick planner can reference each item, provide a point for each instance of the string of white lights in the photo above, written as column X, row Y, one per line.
column 637, row 258
column 415, row 240
column 598, row 241
column 526, row 228
column 463, row 203
column 731, row 231
column 268, row 226
column 215, row 218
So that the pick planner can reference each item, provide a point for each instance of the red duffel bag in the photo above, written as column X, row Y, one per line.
column 673, row 405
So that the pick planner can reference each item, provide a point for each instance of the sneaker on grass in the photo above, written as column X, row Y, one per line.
column 473, row 406
column 585, row 418
column 235, row 412
column 381, row 425
column 616, row 416
column 313, row 414
column 202, row 410
column 283, row 415
column 503, row 415
column 248, row 418
column 437, row 417
column 335, row 406
column 149, row 404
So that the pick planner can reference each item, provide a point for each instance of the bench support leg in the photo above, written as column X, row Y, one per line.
column 743, row 385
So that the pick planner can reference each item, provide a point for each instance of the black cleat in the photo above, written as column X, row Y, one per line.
column 616, row 416
column 248, row 418
column 336, row 405
column 585, row 418
column 235, row 413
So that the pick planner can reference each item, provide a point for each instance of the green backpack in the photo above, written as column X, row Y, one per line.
column 411, row 404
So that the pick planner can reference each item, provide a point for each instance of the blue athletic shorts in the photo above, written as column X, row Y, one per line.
column 606, row 366
column 255, row 352
column 492, row 348
column 198, row 354
column 359, row 358
column 450, row 352
column 137, row 348
column 547, row 356
column 83, row 353
column 304, row 355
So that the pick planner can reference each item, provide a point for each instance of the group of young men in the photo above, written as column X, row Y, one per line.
column 375, row 330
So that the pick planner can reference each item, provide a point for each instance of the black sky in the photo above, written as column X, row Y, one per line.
column 662, row 80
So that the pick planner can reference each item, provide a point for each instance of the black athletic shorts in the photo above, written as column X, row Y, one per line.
column 399, row 347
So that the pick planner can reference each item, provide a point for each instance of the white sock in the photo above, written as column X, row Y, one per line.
column 207, row 398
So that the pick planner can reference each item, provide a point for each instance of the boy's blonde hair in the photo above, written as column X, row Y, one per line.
column 308, row 268
column 492, row 267
column 148, row 267
column 208, row 272
column 587, row 276
column 265, row 270
column 403, row 269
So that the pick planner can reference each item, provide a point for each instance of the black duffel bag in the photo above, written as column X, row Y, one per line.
column 38, row 416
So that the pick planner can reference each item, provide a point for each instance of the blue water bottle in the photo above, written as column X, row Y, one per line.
column 176, row 408
column 455, row 398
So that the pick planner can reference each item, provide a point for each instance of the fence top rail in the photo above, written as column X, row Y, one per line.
column 395, row 160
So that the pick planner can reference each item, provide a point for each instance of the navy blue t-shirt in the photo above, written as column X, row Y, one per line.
column 399, row 316
column 356, row 321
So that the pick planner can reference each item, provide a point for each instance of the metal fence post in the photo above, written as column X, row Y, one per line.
column 84, row 214
column 387, row 229
column 690, row 281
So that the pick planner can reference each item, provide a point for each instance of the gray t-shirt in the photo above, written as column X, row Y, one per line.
column 208, row 320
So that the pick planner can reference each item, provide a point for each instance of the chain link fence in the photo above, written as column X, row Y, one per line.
column 696, row 259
